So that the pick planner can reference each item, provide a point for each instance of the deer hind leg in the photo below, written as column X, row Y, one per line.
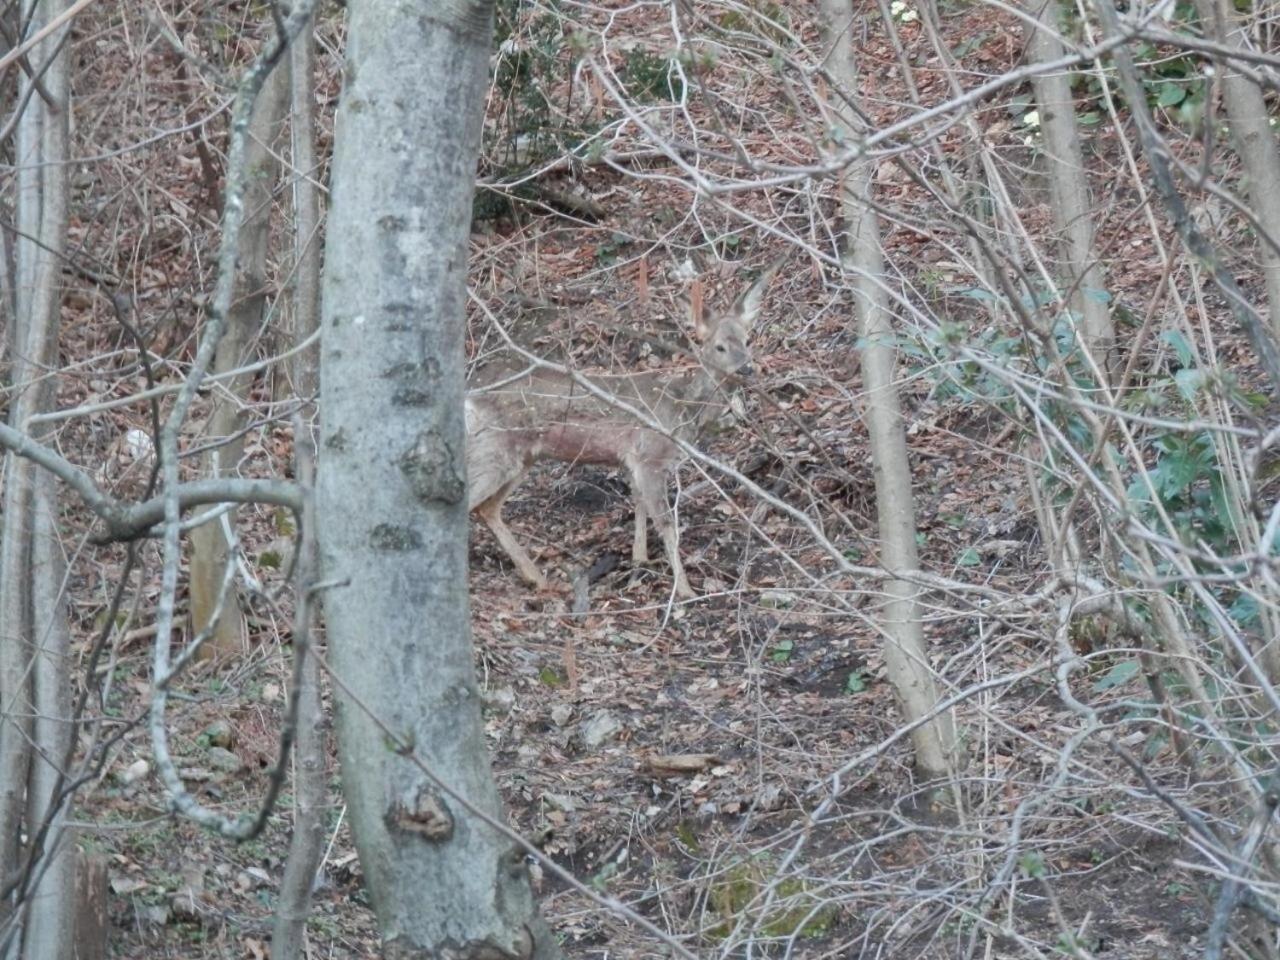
column 650, row 487
column 640, row 546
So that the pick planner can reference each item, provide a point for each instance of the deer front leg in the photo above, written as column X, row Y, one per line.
column 492, row 480
column 491, row 513
column 650, row 488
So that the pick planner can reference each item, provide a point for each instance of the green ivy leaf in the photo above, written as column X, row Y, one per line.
column 1180, row 346
column 1191, row 112
column 1171, row 94
column 1189, row 381
column 1118, row 675
column 1032, row 864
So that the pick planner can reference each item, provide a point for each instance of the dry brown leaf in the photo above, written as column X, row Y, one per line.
column 677, row 764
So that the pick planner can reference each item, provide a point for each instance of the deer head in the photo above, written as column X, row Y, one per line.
column 723, row 347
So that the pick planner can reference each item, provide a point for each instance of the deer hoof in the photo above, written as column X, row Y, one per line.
column 534, row 578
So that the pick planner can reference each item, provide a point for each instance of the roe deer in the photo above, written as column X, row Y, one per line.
column 546, row 415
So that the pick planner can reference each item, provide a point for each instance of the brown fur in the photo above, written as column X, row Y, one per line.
column 545, row 415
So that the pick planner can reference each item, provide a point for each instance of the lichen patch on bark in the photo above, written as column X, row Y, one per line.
column 390, row 536
column 433, row 469
column 337, row 441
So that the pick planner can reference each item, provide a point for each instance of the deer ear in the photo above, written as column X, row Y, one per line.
column 747, row 307
column 694, row 303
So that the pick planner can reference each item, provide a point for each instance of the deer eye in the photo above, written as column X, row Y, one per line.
column 720, row 347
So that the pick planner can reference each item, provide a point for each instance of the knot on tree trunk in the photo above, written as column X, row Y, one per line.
column 421, row 809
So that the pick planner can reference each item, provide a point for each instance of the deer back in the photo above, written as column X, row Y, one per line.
column 542, row 414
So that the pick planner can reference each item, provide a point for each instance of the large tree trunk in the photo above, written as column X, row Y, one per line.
column 244, row 322
column 8, row 305
column 1255, row 140
column 1069, row 190
column 905, row 654
column 52, row 907
column 34, row 677
column 15, row 621
column 392, row 494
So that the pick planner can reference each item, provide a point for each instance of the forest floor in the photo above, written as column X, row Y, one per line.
column 763, row 686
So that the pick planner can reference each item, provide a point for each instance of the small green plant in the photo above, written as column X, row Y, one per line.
column 959, row 377
column 687, row 836
column 769, row 21
column 1120, row 673
column 1032, row 865
column 970, row 44
column 958, row 926
column 533, row 57
column 609, row 251
column 1172, row 81
column 1070, row 945
column 601, row 879
column 323, row 926
column 1188, row 483
column 740, row 889
column 652, row 77
column 255, row 850
column 1183, row 476
column 782, row 651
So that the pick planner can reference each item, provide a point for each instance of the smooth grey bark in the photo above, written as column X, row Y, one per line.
column 1069, row 189
column 1082, row 274
column 16, row 707
column 8, row 306
column 905, row 654
column 41, row 210
column 52, row 905
column 392, row 492
column 304, row 371
column 244, row 322
column 1255, row 140
column 287, row 938
column 7, row 311
column 307, row 841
